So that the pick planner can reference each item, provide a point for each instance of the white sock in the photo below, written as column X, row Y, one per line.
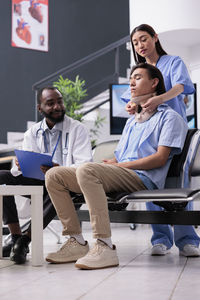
column 79, row 238
column 107, row 241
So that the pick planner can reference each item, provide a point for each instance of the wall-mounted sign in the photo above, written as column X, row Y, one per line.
column 30, row 24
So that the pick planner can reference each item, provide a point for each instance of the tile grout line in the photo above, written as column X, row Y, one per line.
column 178, row 279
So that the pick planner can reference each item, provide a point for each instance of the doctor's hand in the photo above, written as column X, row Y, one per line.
column 130, row 108
column 17, row 164
column 152, row 103
column 44, row 169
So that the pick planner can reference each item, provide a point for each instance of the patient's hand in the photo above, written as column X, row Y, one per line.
column 130, row 108
column 44, row 169
column 110, row 161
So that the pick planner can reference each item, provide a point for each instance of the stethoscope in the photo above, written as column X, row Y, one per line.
column 65, row 149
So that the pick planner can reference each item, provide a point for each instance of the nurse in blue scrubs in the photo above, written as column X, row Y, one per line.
column 147, row 48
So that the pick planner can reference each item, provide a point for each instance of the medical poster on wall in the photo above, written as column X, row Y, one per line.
column 30, row 24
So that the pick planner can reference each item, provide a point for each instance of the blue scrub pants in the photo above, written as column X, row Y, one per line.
column 163, row 234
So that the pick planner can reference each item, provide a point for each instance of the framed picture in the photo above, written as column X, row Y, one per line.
column 118, row 115
column 30, row 24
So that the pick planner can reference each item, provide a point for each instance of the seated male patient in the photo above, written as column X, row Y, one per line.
column 141, row 161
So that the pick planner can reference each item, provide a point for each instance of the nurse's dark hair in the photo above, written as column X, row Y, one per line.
column 40, row 91
column 153, row 72
column 147, row 28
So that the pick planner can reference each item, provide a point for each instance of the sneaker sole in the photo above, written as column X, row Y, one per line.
column 194, row 255
column 60, row 262
column 84, row 267
column 160, row 254
column 69, row 260
column 156, row 254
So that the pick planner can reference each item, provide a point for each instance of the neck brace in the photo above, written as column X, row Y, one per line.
column 141, row 115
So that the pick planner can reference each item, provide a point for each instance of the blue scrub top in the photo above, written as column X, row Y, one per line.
column 138, row 140
column 174, row 72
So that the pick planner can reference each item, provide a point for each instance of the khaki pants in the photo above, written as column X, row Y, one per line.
column 94, row 180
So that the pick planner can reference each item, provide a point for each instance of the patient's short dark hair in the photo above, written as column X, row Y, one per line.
column 153, row 72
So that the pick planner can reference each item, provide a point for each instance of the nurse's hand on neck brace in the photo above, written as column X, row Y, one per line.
column 140, row 114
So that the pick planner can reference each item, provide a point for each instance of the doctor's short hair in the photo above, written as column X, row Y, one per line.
column 40, row 91
column 153, row 72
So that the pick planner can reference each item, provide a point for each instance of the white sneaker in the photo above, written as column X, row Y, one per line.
column 100, row 256
column 159, row 249
column 190, row 251
column 69, row 252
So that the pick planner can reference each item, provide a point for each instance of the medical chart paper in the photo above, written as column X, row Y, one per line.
column 30, row 163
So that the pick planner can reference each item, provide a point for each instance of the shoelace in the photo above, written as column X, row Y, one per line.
column 97, row 249
column 69, row 242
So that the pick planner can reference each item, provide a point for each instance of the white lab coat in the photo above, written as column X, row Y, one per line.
column 78, row 143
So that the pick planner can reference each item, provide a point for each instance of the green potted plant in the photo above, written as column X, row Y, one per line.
column 73, row 92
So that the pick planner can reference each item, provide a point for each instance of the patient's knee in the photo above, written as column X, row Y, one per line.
column 52, row 175
column 85, row 170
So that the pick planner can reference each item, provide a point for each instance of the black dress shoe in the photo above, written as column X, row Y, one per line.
column 20, row 249
column 10, row 244
column 7, row 249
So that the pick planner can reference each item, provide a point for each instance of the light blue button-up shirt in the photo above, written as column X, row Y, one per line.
column 164, row 128
column 174, row 72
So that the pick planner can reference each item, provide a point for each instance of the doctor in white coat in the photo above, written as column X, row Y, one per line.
column 68, row 142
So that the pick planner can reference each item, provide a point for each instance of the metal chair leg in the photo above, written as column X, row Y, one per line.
column 54, row 232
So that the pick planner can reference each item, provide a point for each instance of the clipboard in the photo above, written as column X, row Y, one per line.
column 30, row 163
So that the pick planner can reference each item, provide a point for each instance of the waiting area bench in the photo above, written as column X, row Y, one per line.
column 173, row 198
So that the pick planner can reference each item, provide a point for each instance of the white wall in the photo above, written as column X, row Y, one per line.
column 165, row 15
column 178, row 25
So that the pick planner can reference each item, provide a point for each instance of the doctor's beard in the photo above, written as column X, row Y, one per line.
column 53, row 119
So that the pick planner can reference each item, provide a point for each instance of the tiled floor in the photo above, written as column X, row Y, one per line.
column 139, row 276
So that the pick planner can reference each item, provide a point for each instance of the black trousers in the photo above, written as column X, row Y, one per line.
column 10, row 214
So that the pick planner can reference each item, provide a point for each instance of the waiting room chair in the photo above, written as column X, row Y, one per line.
column 173, row 198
